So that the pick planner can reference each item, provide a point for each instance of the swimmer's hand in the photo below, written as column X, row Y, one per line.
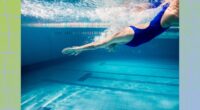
column 71, row 51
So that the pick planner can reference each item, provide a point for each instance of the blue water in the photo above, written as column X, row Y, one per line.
column 102, row 84
column 142, row 78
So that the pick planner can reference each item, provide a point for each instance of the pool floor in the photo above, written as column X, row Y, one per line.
column 102, row 84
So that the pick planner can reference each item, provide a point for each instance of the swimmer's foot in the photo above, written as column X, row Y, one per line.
column 71, row 51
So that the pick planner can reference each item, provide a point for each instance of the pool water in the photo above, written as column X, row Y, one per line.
column 86, row 83
column 141, row 78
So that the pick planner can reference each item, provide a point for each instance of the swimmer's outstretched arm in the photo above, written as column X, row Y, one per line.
column 108, row 42
column 91, row 46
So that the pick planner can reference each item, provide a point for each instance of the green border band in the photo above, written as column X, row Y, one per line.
column 10, row 87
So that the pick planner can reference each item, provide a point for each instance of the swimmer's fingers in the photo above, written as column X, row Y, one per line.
column 68, row 50
column 77, row 52
column 71, row 51
column 64, row 50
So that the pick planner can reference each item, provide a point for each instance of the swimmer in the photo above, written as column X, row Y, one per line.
column 135, row 35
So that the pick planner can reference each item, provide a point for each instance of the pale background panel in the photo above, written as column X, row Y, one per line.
column 189, row 55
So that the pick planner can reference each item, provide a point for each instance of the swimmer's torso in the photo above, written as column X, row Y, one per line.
column 151, row 30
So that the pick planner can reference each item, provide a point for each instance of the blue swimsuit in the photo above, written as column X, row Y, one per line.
column 144, row 35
